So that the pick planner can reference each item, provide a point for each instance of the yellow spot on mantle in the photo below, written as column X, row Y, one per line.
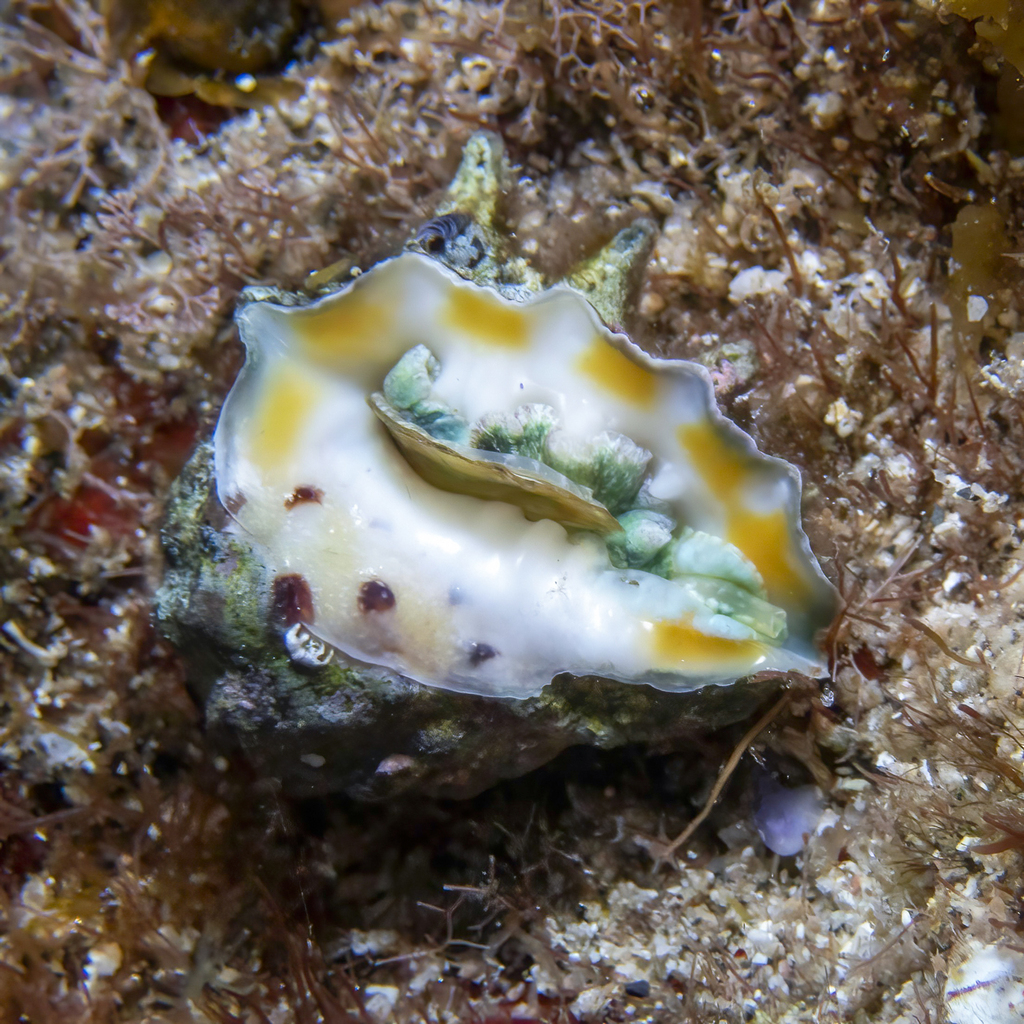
column 616, row 372
column 487, row 319
column 723, row 468
column 288, row 398
column 766, row 538
column 679, row 646
column 342, row 333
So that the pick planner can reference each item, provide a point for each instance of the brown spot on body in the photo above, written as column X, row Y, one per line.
column 293, row 600
column 234, row 502
column 303, row 494
column 479, row 653
column 375, row 596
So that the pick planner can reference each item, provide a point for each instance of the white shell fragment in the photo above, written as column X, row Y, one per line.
column 305, row 649
column 784, row 817
column 985, row 985
column 557, row 501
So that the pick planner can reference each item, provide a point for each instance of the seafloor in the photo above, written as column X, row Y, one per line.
column 839, row 186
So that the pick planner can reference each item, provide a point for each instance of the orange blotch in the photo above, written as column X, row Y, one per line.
column 766, row 539
column 616, row 372
column 487, row 319
column 680, row 645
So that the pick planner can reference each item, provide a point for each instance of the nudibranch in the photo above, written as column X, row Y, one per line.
column 472, row 480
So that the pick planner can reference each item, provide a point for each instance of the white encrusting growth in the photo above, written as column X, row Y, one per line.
column 465, row 593
column 305, row 649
